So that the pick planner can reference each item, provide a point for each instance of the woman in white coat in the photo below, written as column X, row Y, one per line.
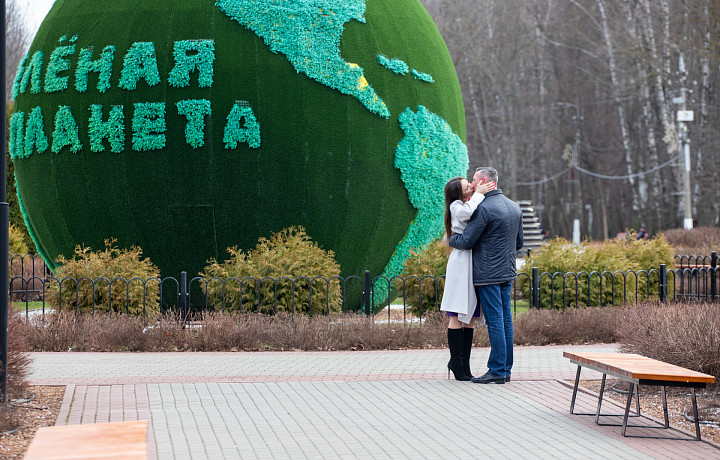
column 459, row 301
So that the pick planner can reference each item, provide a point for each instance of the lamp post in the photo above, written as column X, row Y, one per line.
column 4, row 228
column 683, row 117
column 576, row 200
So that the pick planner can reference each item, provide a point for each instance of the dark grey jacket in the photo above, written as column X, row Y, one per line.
column 494, row 233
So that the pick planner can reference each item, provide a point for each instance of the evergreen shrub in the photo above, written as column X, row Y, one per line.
column 429, row 261
column 287, row 256
column 17, row 246
column 597, row 262
column 76, row 277
column 17, row 241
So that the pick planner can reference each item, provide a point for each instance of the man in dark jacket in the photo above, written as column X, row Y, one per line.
column 494, row 233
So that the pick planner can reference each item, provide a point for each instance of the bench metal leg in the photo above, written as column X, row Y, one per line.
column 627, row 408
column 695, row 413
column 667, row 419
column 665, row 408
column 600, row 398
column 596, row 414
column 575, row 388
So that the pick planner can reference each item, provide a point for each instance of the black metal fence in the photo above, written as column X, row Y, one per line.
column 36, row 291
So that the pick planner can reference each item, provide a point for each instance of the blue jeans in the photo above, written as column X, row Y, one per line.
column 495, row 302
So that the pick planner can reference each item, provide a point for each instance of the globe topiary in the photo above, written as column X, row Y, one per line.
column 276, row 276
column 187, row 126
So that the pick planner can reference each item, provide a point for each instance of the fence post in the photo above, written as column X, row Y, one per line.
column 662, row 275
column 183, row 295
column 713, row 277
column 535, row 288
column 366, row 293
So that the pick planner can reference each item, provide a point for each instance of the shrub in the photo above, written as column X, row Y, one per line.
column 17, row 241
column 286, row 256
column 431, row 262
column 684, row 334
column 231, row 331
column 696, row 241
column 218, row 331
column 18, row 359
column 18, row 367
column 594, row 264
column 572, row 325
column 76, row 277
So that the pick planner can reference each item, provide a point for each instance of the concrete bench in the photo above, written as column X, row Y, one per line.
column 118, row 440
column 638, row 370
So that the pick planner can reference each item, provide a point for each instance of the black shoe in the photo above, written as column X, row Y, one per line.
column 489, row 378
column 457, row 371
column 455, row 363
column 507, row 378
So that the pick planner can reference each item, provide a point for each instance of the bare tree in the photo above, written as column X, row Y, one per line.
column 585, row 87
column 17, row 40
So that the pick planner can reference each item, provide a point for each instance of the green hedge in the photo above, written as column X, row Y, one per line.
column 286, row 257
column 596, row 263
column 75, row 276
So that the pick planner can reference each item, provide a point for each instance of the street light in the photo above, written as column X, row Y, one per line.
column 4, row 228
column 575, row 181
column 683, row 117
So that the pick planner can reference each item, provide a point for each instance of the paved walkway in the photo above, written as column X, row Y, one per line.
column 364, row 404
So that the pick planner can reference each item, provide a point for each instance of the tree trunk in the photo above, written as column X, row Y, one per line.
column 618, row 103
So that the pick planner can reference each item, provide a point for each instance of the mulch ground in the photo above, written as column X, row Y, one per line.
column 679, row 405
column 39, row 409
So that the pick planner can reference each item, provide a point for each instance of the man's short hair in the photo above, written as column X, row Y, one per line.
column 487, row 171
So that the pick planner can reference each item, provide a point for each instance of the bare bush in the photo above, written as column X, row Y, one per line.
column 684, row 334
column 696, row 241
column 217, row 331
column 18, row 362
column 572, row 325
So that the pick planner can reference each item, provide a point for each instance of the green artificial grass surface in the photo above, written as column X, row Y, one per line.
column 325, row 161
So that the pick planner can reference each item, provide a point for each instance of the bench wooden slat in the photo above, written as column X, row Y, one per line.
column 117, row 440
column 638, row 367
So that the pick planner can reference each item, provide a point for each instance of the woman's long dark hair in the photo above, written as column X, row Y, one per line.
column 453, row 191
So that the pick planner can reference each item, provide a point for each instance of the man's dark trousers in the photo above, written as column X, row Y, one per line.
column 495, row 302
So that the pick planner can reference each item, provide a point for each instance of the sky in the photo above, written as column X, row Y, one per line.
column 37, row 9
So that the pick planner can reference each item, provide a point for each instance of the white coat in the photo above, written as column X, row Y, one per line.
column 459, row 296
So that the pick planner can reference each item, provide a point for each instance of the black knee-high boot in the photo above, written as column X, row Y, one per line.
column 467, row 343
column 455, row 344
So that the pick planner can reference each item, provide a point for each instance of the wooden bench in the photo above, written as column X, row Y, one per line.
column 118, row 440
column 638, row 370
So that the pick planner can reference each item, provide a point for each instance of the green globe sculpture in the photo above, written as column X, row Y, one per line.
column 188, row 126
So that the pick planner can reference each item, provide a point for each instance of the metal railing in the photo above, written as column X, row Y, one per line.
column 696, row 261
column 37, row 292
